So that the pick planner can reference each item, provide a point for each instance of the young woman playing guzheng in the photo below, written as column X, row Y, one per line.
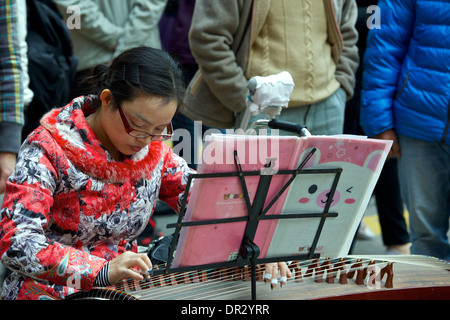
column 88, row 178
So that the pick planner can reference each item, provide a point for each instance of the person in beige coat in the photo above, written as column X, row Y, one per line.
column 234, row 40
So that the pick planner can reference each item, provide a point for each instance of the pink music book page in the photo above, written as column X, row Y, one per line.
column 222, row 197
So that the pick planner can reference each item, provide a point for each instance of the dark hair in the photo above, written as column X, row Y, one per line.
column 137, row 70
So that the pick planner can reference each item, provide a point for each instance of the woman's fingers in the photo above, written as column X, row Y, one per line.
column 272, row 270
column 129, row 265
column 131, row 273
column 141, row 261
column 285, row 272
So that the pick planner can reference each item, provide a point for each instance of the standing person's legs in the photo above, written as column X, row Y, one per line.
column 322, row 118
column 390, row 209
column 424, row 173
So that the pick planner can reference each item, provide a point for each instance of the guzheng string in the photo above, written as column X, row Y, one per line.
column 207, row 284
column 416, row 260
column 217, row 281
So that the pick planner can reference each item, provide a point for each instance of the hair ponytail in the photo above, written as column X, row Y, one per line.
column 95, row 82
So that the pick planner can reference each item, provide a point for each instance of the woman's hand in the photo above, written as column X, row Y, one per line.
column 271, row 273
column 7, row 164
column 124, row 266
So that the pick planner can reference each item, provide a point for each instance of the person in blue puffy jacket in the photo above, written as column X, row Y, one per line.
column 406, row 98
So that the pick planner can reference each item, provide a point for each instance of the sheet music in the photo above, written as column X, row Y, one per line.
column 360, row 159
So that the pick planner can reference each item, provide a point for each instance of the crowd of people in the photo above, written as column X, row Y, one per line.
column 86, row 108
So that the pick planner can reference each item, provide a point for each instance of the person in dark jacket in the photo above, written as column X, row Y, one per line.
column 406, row 98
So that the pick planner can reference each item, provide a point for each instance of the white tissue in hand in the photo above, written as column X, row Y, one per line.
column 271, row 94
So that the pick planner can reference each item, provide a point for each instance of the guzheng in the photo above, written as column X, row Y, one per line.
column 308, row 210
column 364, row 277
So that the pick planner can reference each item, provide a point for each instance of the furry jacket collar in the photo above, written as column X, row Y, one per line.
column 69, row 127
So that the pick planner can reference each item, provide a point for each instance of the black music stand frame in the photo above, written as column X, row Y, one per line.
column 249, row 251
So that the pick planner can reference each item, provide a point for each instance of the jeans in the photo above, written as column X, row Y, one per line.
column 424, row 173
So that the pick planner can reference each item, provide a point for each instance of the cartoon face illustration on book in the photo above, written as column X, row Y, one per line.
column 349, row 190
column 361, row 164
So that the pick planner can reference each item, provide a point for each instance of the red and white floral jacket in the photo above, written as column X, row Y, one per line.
column 69, row 207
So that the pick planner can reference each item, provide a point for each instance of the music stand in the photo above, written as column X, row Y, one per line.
column 249, row 251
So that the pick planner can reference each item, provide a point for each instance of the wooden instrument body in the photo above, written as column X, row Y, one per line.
column 319, row 280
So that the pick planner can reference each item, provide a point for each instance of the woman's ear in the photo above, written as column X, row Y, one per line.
column 107, row 98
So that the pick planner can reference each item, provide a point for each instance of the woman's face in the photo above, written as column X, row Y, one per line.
column 146, row 113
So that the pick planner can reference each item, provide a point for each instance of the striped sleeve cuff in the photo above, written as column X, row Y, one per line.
column 102, row 278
